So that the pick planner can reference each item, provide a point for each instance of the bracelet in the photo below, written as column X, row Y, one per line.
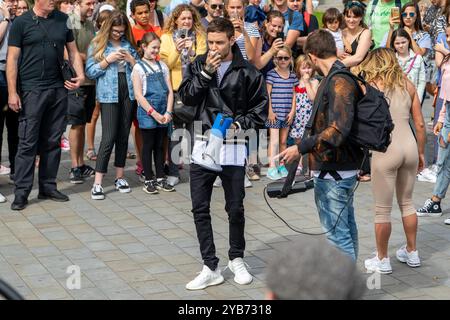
column 168, row 112
column 150, row 111
column 106, row 61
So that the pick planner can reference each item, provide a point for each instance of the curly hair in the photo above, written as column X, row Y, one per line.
column 171, row 26
column 381, row 64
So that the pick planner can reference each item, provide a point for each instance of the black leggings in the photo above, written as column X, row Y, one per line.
column 153, row 144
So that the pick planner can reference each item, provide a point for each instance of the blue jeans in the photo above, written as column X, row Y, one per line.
column 443, row 160
column 332, row 197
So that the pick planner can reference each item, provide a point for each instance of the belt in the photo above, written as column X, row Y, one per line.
column 332, row 173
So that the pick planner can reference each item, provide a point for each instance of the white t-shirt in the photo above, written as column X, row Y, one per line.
column 138, row 69
column 337, row 35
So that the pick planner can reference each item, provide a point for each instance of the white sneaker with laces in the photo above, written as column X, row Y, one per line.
column 122, row 185
column 382, row 266
column 410, row 258
column 206, row 278
column 239, row 268
column 2, row 198
column 427, row 175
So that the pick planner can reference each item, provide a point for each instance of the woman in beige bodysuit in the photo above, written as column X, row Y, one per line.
column 395, row 169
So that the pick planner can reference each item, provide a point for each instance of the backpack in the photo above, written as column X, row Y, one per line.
column 308, row 21
column 160, row 17
column 372, row 123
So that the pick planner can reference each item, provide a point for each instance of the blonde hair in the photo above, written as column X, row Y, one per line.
column 301, row 60
column 286, row 49
column 382, row 65
column 100, row 41
column 171, row 25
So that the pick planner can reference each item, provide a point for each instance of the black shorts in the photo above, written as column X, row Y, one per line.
column 81, row 105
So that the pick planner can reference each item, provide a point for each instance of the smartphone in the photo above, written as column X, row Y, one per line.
column 395, row 12
column 280, row 35
column 122, row 50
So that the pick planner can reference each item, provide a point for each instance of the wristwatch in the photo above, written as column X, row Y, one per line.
column 5, row 19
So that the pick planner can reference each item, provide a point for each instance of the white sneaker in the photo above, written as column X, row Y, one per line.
column 247, row 182
column 239, row 268
column 427, row 175
column 433, row 168
column 217, row 183
column 4, row 170
column 205, row 279
column 376, row 265
column 447, row 221
column 97, row 192
column 173, row 181
column 411, row 258
column 2, row 198
column 122, row 185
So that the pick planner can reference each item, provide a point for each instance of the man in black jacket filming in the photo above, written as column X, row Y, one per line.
column 221, row 81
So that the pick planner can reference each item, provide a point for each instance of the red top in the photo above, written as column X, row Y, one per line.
column 300, row 90
column 139, row 33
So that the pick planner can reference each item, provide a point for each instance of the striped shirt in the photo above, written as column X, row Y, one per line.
column 252, row 32
column 282, row 92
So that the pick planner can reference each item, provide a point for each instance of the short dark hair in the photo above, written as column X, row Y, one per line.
column 221, row 25
column 138, row 3
column 310, row 268
column 331, row 15
column 321, row 44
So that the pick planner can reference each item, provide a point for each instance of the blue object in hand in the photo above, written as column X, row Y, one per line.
column 221, row 124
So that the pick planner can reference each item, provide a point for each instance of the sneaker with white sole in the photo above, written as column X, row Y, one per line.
column 217, row 183
column 427, row 175
column 410, row 258
column 97, row 192
column 122, row 185
column 206, row 278
column 447, row 221
column 239, row 268
column 430, row 209
column 382, row 266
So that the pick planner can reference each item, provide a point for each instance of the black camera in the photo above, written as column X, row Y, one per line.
column 280, row 35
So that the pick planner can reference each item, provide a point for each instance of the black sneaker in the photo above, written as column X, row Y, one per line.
column 161, row 184
column 149, row 187
column 430, row 209
column 87, row 171
column 97, row 192
column 75, row 176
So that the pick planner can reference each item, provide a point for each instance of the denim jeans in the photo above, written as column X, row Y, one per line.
column 334, row 198
column 443, row 160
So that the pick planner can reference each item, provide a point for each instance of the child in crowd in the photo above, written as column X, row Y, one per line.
column 153, row 92
column 305, row 93
column 111, row 58
column 332, row 21
column 254, row 13
column 411, row 63
column 280, row 86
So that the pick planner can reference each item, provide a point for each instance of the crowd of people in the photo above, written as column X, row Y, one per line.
column 264, row 63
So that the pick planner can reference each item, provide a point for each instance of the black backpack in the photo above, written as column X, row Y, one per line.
column 372, row 123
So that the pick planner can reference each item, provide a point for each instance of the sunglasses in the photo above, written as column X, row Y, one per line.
column 119, row 33
column 411, row 14
column 283, row 58
column 216, row 6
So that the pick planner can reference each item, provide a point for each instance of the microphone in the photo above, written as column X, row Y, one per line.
column 291, row 185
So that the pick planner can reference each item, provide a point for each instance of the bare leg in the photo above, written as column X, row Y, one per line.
column 382, row 234
column 76, row 141
column 119, row 172
column 273, row 145
column 90, row 127
column 410, row 227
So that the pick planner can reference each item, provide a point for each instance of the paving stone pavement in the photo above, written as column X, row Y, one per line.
column 140, row 246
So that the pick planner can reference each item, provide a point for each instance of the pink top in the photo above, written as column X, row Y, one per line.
column 445, row 82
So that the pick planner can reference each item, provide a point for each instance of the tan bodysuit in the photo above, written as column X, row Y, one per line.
column 397, row 167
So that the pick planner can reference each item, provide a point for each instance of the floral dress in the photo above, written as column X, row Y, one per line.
column 303, row 111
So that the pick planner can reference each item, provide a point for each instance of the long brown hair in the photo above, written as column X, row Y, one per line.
column 381, row 64
column 171, row 26
column 100, row 41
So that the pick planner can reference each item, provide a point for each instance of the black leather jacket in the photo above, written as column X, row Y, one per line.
column 242, row 94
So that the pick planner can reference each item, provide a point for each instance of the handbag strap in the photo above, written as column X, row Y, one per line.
column 55, row 45
column 411, row 65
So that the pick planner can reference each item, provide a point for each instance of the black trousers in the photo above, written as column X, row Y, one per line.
column 201, row 182
column 116, row 124
column 11, row 120
column 42, row 122
column 153, row 146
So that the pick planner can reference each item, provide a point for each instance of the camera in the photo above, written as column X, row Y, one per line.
column 182, row 33
column 280, row 35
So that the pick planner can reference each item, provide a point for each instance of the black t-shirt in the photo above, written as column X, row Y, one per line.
column 38, row 63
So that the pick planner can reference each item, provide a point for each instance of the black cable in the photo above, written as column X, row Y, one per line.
column 339, row 215
column 8, row 292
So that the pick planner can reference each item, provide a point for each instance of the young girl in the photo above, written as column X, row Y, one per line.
column 411, row 63
column 111, row 58
column 332, row 21
column 280, row 86
column 305, row 93
column 153, row 92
